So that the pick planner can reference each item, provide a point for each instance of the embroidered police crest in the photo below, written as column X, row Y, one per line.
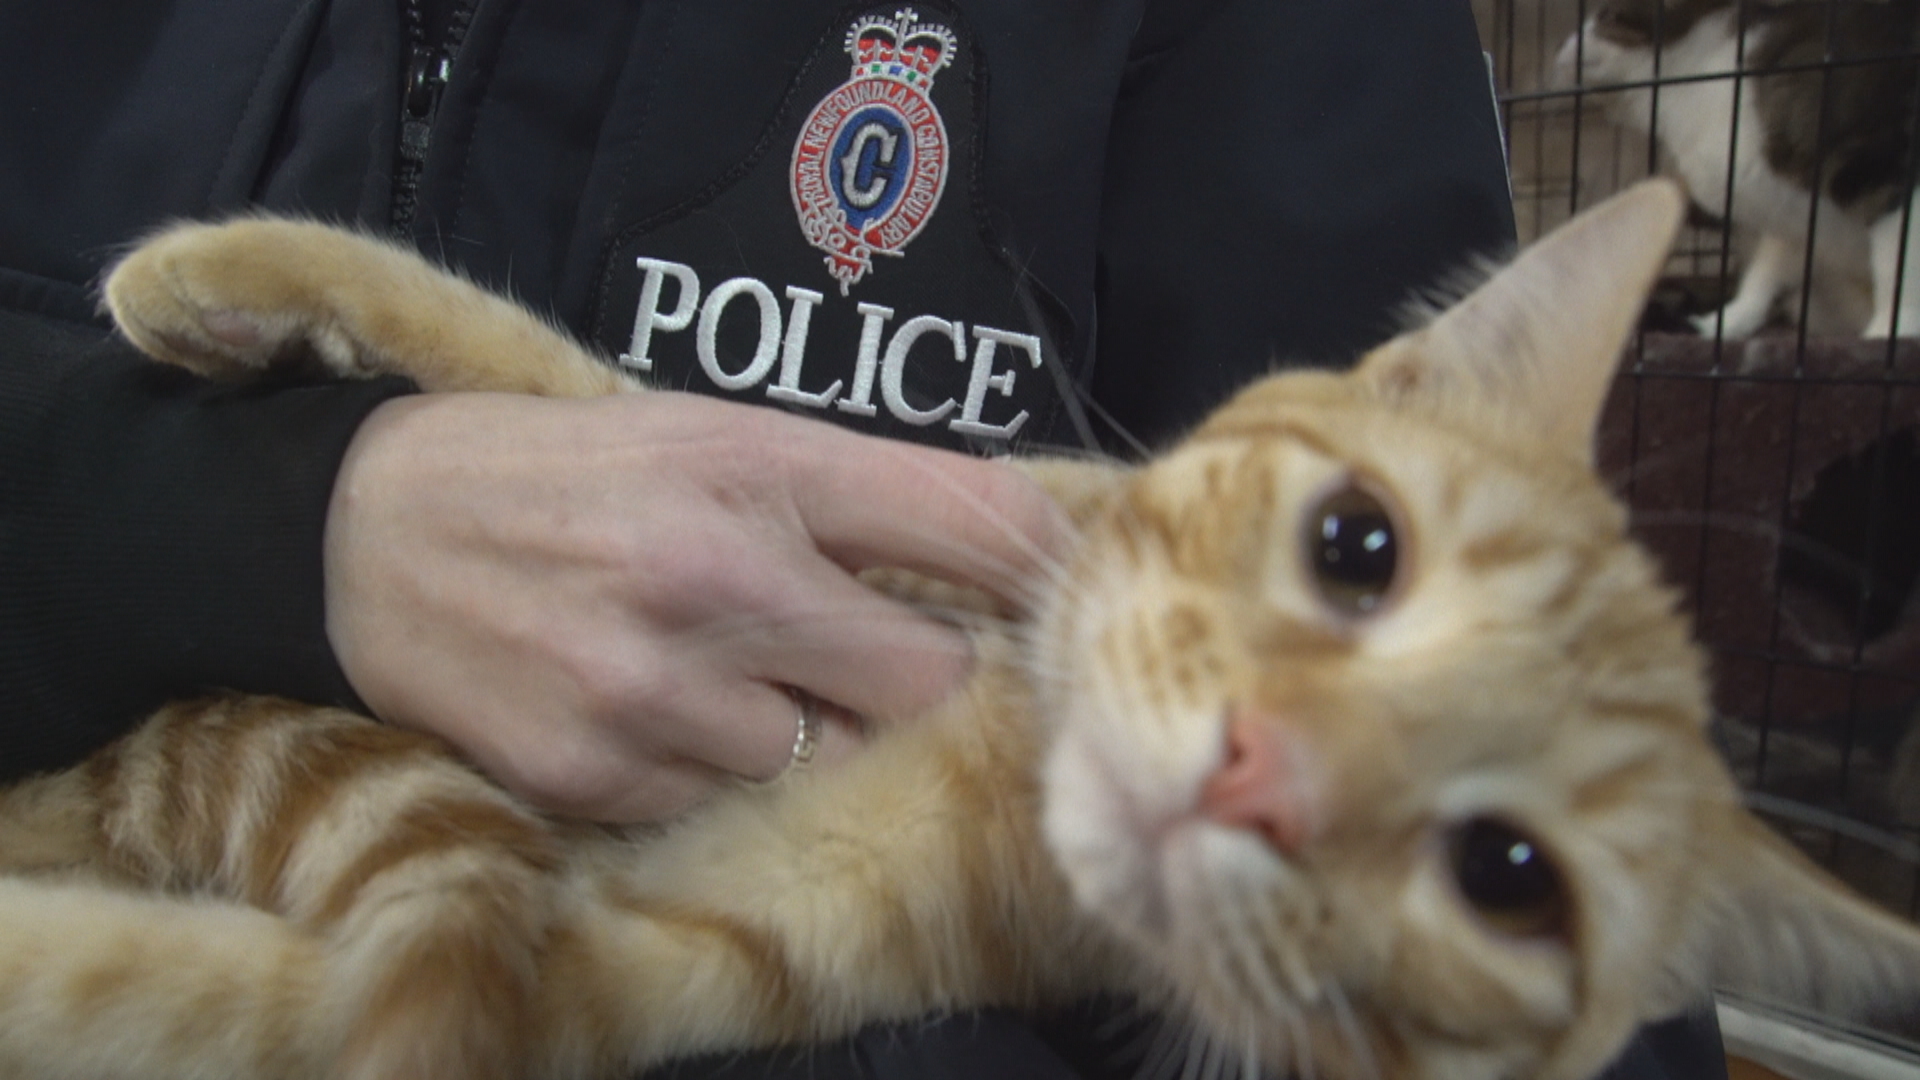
column 711, row 286
column 871, row 159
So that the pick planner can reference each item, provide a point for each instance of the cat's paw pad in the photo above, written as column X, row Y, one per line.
column 222, row 300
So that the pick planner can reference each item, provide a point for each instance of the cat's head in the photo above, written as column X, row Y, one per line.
column 1380, row 739
column 1618, row 41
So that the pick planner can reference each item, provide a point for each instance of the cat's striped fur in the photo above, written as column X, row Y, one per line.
column 426, row 925
column 1199, row 773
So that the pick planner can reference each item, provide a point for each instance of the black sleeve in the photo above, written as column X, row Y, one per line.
column 992, row 1044
column 1282, row 177
column 1683, row 1048
column 159, row 536
column 1099, row 1040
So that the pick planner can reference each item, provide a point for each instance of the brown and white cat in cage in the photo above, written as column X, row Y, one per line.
column 1844, row 131
column 1355, row 729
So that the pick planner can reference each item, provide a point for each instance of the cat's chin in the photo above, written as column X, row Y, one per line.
column 1193, row 899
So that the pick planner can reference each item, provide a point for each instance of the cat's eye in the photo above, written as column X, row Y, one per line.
column 1510, row 882
column 1352, row 552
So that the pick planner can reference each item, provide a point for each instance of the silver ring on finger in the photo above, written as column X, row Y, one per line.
column 806, row 733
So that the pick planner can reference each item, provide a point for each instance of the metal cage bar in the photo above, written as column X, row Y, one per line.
column 1776, row 474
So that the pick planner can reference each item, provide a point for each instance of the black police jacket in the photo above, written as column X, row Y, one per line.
column 975, row 223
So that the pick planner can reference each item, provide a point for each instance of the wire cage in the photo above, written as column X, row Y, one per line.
column 1772, row 459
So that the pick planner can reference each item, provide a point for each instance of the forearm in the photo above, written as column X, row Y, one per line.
column 159, row 536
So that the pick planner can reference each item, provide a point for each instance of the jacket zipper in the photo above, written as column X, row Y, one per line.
column 429, row 65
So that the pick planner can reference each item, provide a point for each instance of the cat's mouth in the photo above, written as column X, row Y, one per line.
column 1133, row 839
column 1211, row 907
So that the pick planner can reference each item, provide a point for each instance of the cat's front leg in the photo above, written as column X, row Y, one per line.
column 247, row 887
column 907, row 881
column 1772, row 270
column 1891, row 244
column 235, row 299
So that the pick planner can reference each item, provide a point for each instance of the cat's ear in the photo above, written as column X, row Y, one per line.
column 1770, row 924
column 1535, row 346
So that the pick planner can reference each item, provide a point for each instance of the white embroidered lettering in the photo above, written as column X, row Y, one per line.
column 859, row 399
column 982, row 379
column 880, row 361
column 764, row 350
column 894, row 368
column 794, row 353
column 648, row 317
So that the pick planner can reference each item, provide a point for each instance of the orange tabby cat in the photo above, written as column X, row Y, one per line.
column 1355, row 728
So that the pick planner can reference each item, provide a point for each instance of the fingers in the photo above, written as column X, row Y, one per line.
column 745, row 728
column 752, row 735
column 669, row 790
column 843, row 642
column 872, row 503
column 603, row 603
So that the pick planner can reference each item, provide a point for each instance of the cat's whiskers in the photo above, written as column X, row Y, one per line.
column 969, row 619
column 1349, row 1026
column 1685, row 453
column 1247, row 947
column 722, row 631
column 1027, row 585
column 1130, row 1013
column 1170, row 1039
column 1768, row 529
column 1300, row 1041
column 1250, row 1054
column 1746, row 524
column 1141, row 450
column 1223, row 1058
column 1749, row 525
column 1052, row 677
column 1307, row 987
column 1239, row 948
column 1212, row 1053
column 1247, row 1034
column 1199, row 1046
column 991, row 515
column 1801, row 813
column 1795, row 810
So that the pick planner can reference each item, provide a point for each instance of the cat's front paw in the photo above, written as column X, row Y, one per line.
column 1729, row 322
column 227, row 300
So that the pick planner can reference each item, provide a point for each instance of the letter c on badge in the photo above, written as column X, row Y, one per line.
column 877, row 173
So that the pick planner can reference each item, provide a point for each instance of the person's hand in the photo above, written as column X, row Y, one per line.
column 602, row 602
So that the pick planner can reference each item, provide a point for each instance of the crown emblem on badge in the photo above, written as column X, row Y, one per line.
column 871, row 159
column 902, row 48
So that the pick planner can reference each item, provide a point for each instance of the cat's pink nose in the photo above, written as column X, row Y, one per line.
column 1264, row 782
